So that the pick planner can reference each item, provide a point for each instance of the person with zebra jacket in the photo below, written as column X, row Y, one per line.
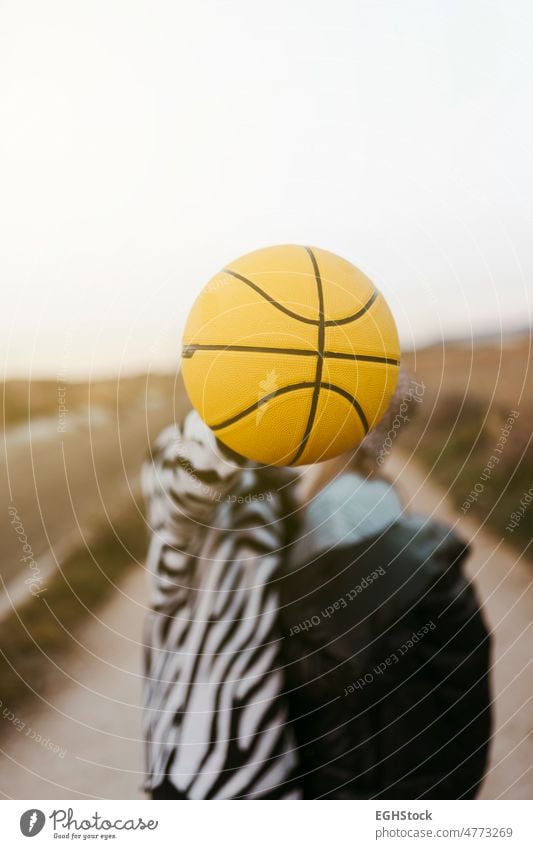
column 216, row 717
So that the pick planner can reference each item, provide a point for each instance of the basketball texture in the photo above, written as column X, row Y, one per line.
column 290, row 355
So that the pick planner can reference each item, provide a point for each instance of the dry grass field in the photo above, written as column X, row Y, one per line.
column 473, row 431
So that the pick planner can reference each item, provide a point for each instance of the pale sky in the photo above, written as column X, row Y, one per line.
column 145, row 144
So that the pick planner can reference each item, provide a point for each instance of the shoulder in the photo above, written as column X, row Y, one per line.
column 190, row 447
column 429, row 538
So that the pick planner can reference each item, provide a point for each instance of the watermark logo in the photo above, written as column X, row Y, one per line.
column 34, row 580
column 414, row 394
column 32, row 822
column 65, row 825
column 266, row 388
column 66, row 820
column 62, row 378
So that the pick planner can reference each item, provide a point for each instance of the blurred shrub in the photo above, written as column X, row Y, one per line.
column 456, row 436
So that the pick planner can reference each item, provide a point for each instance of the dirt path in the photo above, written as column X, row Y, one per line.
column 96, row 719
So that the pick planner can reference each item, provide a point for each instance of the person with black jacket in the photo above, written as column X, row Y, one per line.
column 386, row 651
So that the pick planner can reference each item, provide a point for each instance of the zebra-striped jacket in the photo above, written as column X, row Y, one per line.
column 215, row 713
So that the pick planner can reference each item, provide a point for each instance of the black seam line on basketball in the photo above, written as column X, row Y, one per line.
column 310, row 384
column 189, row 350
column 319, row 360
column 353, row 401
column 335, row 322
column 269, row 298
column 263, row 400
column 363, row 358
column 332, row 322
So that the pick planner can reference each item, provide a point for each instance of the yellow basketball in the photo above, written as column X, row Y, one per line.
column 290, row 355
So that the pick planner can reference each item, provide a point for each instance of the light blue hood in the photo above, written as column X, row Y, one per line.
column 345, row 512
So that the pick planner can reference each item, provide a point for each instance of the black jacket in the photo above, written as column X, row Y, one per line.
column 387, row 660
